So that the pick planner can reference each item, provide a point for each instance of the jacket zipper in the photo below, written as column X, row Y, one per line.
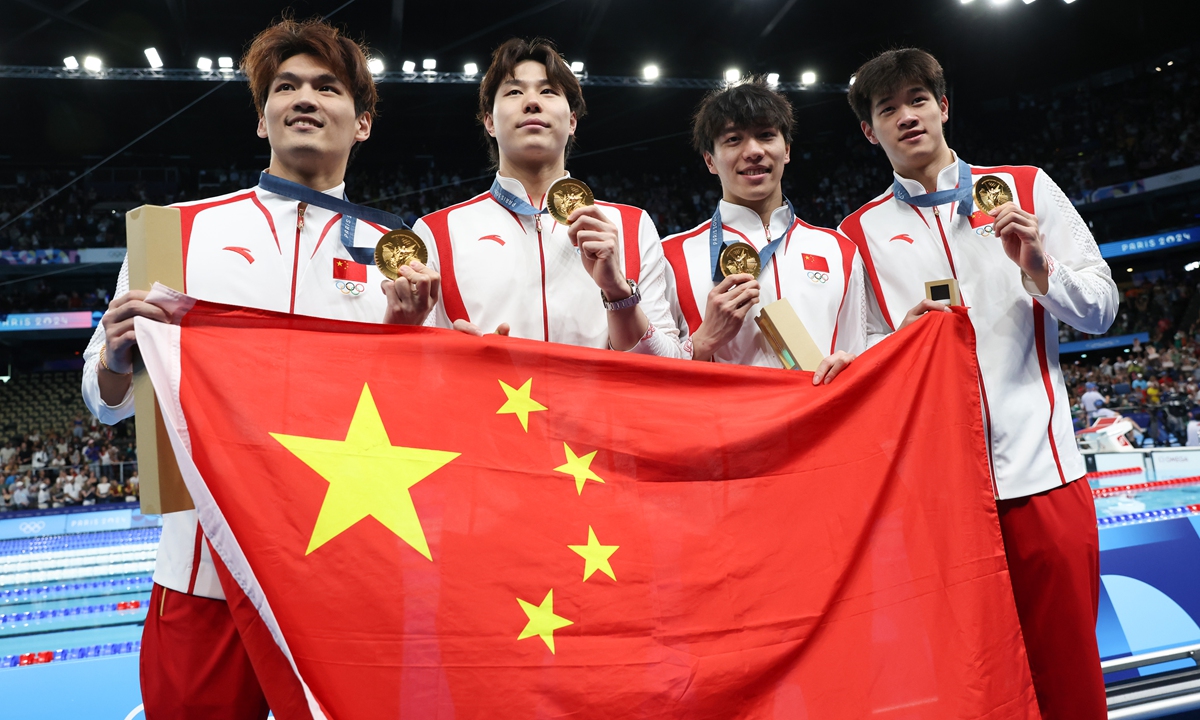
column 949, row 258
column 296, row 256
column 537, row 222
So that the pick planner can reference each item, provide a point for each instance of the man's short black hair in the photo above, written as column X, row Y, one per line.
column 739, row 106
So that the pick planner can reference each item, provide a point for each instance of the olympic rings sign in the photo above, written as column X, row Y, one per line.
column 36, row 526
column 818, row 277
column 350, row 288
column 985, row 231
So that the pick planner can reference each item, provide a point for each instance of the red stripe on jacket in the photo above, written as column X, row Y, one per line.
column 439, row 224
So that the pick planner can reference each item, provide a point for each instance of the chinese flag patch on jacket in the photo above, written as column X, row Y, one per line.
column 349, row 270
column 815, row 263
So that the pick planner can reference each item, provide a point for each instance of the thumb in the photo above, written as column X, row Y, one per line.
column 503, row 329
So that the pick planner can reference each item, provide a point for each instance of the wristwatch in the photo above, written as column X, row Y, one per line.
column 628, row 302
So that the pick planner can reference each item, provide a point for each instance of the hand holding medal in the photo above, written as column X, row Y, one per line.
column 1018, row 230
column 411, row 287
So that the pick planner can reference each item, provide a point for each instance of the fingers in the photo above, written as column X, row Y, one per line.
column 588, row 215
column 469, row 328
column 832, row 366
column 503, row 329
column 925, row 306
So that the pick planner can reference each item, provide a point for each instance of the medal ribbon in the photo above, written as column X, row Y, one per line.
column 349, row 211
column 960, row 194
column 716, row 234
column 517, row 204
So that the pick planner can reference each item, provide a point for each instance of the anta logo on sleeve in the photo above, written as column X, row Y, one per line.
column 904, row 237
column 493, row 238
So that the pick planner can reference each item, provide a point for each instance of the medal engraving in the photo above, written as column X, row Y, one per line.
column 566, row 196
column 991, row 192
column 397, row 249
column 738, row 258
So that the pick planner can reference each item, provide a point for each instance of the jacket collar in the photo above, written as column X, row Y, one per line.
column 747, row 222
column 515, row 187
column 947, row 179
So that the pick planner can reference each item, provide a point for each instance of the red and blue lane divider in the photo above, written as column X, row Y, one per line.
column 70, row 612
column 79, row 653
column 119, row 584
column 1164, row 514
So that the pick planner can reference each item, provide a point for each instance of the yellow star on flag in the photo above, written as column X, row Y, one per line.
column 519, row 402
column 595, row 556
column 367, row 475
column 542, row 620
column 579, row 468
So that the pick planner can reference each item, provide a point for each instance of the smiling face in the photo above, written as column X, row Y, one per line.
column 530, row 118
column 309, row 119
column 749, row 162
column 907, row 123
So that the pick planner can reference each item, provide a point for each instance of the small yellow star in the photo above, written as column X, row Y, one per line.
column 595, row 555
column 579, row 468
column 542, row 620
column 367, row 475
column 519, row 402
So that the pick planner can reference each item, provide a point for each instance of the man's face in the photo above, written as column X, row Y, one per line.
column 749, row 161
column 907, row 123
column 309, row 115
column 530, row 119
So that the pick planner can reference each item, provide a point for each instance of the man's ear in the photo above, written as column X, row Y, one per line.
column 490, row 125
column 262, row 126
column 869, row 132
column 708, row 160
column 574, row 122
column 944, row 104
column 363, row 131
column 787, row 153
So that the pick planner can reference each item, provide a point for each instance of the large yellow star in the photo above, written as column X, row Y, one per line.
column 579, row 468
column 542, row 620
column 519, row 402
column 595, row 556
column 367, row 475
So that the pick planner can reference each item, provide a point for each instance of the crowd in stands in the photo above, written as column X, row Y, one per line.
column 91, row 464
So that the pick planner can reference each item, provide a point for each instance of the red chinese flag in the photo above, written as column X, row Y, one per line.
column 349, row 270
column 433, row 525
column 815, row 262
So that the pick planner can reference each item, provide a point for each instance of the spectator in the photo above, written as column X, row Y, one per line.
column 20, row 496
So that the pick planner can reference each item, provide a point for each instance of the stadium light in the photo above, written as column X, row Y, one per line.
column 1028, row 2
column 225, row 62
column 808, row 77
column 1000, row 2
column 153, row 58
column 204, row 64
column 71, row 63
column 91, row 63
column 577, row 67
column 429, row 64
column 470, row 69
column 1068, row 1
column 1128, row 269
column 853, row 78
column 409, row 67
column 772, row 78
column 732, row 75
column 1192, row 266
column 650, row 72
column 965, row 2
column 375, row 65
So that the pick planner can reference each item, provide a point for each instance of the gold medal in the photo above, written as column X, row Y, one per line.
column 566, row 196
column 739, row 257
column 397, row 249
column 991, row 192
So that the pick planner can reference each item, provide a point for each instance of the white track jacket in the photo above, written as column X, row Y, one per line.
column 1027, row 413
column 250, row 248
column 501, row 267
column 817, row 270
